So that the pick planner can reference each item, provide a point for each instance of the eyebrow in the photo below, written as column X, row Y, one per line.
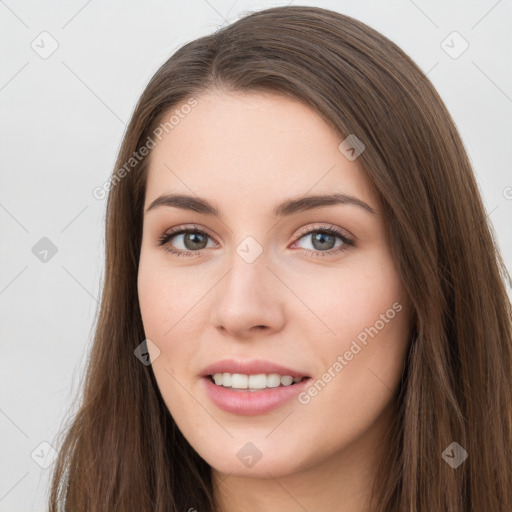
column 286, row 208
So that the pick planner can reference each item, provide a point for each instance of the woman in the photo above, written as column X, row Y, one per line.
column 303, row 304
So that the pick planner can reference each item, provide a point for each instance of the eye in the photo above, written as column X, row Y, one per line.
column 323, row 240
column 195, row 239
column 192, row 237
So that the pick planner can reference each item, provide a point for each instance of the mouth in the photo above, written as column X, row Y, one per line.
column 251, row 387
column 254, row 383
column 252, row 394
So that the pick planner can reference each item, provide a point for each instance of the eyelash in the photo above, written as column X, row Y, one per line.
column 179, row 230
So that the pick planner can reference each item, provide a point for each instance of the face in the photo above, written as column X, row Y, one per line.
column 269, row 283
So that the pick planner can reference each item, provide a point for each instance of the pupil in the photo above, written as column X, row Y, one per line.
column 194, row 238
column 321, row 237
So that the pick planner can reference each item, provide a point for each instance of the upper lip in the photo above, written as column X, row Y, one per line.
column 252, row 367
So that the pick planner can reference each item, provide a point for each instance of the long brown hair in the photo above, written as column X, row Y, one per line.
column 123, row 450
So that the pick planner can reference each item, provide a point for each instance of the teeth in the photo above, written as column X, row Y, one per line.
column 238, row 381
column 253, row 382
column 226, row 379
column 286, row 380
column 273, row 380
column 256, row 381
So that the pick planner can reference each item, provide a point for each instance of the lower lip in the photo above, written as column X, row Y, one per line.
column 251, row 403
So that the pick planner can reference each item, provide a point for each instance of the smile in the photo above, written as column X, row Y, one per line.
column 253, row 382
column 252, row 401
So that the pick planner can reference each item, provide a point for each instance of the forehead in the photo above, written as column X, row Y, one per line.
column 265, row 146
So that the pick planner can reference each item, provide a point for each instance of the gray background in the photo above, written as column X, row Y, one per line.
column 63, row 116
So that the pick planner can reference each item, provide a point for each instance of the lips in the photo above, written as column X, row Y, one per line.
column 253, row 367
column 247, row 403
column 250, row 401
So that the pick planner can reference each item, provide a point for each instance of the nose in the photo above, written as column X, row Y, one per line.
column 248, row 300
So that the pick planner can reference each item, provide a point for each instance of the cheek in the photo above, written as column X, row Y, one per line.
column 163, row 306
column 164, row 295
column 154, row 301
column 367, row 311
column 169, row 302
column 352, row 297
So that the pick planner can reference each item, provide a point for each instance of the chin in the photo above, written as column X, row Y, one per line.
column 252, row 459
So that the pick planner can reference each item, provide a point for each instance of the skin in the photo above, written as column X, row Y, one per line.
column 246, row 153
